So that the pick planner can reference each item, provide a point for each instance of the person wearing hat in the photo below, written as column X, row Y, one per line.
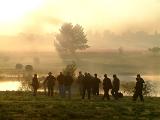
column 35, row 84
column 116, row 85
column 107, row 85
column 50, row 81
column 138, row 88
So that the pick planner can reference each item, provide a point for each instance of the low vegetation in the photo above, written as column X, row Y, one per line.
column 23, row 106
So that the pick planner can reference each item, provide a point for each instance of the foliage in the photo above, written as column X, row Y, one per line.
column 70, row 68
column 129, row 87
column 27, row 78
column 71, row 38
column 148, row 89
column 25, row 83
column 29, row 68
column 154, row 50
column 19, row 66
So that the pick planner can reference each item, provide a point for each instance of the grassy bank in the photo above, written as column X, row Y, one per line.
column 23, row 106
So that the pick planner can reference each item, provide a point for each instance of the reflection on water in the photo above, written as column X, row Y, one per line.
column 9, row 85
column 155, row 79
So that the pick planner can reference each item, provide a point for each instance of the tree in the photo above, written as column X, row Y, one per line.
column 29, row 68
column 26, row 82
column 70, row 68
column 154, row 50
column 19, row 66
column 120, row 50
column 71, row 38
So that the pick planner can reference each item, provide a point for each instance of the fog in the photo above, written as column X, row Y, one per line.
column 130, row 24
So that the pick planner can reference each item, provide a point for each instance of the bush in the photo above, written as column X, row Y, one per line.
column 70, row 68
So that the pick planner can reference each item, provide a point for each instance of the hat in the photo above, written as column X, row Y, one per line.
column 50, row 73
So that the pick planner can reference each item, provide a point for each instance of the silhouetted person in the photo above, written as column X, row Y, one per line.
column 86, row 84
column 116, row 84
column 96, row 81
column 50, row 81
column 138, row 88
column 44, row 85
column 67, row 84
column 60, row 79
column 107, row 85
column 35, row 84
column 91, row 78
column 79, row 81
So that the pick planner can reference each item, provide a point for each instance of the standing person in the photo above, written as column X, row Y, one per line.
column 35, row 84
column 60, row 80
column 86, row 84
column 79, row 81
column 91, row 79
column 116, row 84
column 44, row 85
column 106, row 86
column 138, row 88
column 50, row 81
column 67, row 84
column 96, row 82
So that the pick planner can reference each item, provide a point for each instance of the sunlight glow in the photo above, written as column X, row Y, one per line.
column 14, row 10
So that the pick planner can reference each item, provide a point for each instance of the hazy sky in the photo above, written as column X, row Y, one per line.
column 20, row 15
column 43, row 16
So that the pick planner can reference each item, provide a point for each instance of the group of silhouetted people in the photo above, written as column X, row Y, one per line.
column 91, row 85
column 64, row 84
column 87, row 84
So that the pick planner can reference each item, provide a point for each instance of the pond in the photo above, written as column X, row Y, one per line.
column 14, row 85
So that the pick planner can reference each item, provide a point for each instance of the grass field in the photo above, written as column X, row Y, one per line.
column 24, row 106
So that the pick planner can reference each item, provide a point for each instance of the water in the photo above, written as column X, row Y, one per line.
column 10, row 85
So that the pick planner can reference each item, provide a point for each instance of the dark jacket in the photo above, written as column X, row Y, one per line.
column 60, row 79
column 116, row 84
column 87, row 82
column 35, row 83
column 50, row 80
column 107, row 83
column 80, row 79
column 96, row 82
column 139, row 84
